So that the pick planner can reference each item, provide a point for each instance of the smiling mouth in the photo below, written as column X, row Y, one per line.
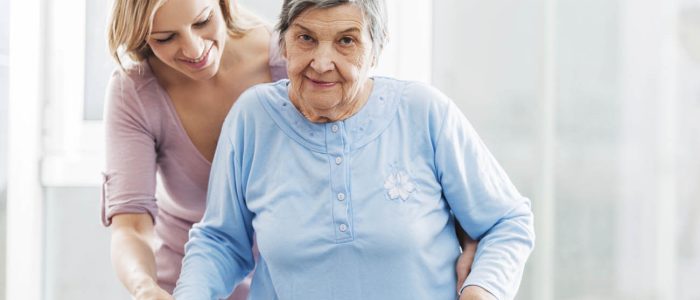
column 198, row 62
column 321, row 83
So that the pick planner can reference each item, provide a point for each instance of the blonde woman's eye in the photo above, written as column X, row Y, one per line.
column 202, row 23
column 165, row 40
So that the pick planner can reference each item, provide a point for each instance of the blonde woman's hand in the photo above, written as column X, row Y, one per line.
column 153, row 293
column 465, row 260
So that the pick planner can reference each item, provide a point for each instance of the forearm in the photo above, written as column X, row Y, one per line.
column 134, row 260
column 502, row 254
column 212, row 266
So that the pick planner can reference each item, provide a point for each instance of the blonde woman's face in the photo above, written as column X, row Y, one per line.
column 189, row 36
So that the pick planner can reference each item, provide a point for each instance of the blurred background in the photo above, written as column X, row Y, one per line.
column 592, row 107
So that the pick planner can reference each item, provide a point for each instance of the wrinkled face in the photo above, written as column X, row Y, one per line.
column 329, row 55
column 189, row 36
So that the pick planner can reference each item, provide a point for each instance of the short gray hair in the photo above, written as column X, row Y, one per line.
column 373, row 10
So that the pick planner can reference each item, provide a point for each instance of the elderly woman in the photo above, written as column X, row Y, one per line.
column 352, row 183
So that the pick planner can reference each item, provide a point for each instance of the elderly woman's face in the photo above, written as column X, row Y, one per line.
column 329, row 55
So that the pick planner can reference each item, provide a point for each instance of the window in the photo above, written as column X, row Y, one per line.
column 73, row 140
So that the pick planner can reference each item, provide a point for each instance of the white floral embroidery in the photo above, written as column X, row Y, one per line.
column 398, row 185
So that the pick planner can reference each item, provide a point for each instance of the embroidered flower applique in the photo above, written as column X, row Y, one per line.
column 399, row 185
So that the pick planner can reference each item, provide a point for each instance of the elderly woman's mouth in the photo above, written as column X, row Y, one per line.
column 321, row 83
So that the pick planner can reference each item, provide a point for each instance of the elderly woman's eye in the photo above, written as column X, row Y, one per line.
column 306, row 38
column 346, row 41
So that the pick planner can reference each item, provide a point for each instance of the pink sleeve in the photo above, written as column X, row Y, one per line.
column 129, row 180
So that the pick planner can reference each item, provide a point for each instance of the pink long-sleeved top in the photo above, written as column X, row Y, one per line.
column 145, row 139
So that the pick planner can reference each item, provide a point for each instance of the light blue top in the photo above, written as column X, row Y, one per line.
column 356, row 209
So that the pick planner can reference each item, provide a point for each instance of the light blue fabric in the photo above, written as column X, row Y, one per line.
column 357, row 209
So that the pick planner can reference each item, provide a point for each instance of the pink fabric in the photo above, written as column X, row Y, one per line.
column 144, row 137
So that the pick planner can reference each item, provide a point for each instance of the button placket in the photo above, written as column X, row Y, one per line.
column 335, row 145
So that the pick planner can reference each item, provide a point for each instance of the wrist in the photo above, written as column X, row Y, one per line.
column 143, row 285
column 469, row 245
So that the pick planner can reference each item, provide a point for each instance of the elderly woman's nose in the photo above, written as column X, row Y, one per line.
column 192, row 46
column 323, row 58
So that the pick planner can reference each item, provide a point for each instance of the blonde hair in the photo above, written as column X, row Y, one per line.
column 132, row 20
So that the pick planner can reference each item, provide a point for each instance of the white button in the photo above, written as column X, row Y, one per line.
column 338, row 160
column 341, row 196
column 343, row 228
column 334, row 128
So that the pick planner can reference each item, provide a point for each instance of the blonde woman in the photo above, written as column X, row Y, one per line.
column 191, row 60
column 183, row 63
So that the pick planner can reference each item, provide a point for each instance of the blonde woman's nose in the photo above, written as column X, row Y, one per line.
column 193, row 46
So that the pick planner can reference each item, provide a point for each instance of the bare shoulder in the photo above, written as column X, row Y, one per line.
column 257, row 49
column 249, row 63
column 259, row 39
column 253, row 47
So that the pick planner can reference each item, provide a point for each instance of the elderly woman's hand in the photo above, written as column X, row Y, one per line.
column 473, row 292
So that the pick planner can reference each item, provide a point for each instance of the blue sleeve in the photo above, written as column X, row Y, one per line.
column 218, row 254
column 486, row 204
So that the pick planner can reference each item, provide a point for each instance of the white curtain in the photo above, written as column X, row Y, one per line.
column 593, row 108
